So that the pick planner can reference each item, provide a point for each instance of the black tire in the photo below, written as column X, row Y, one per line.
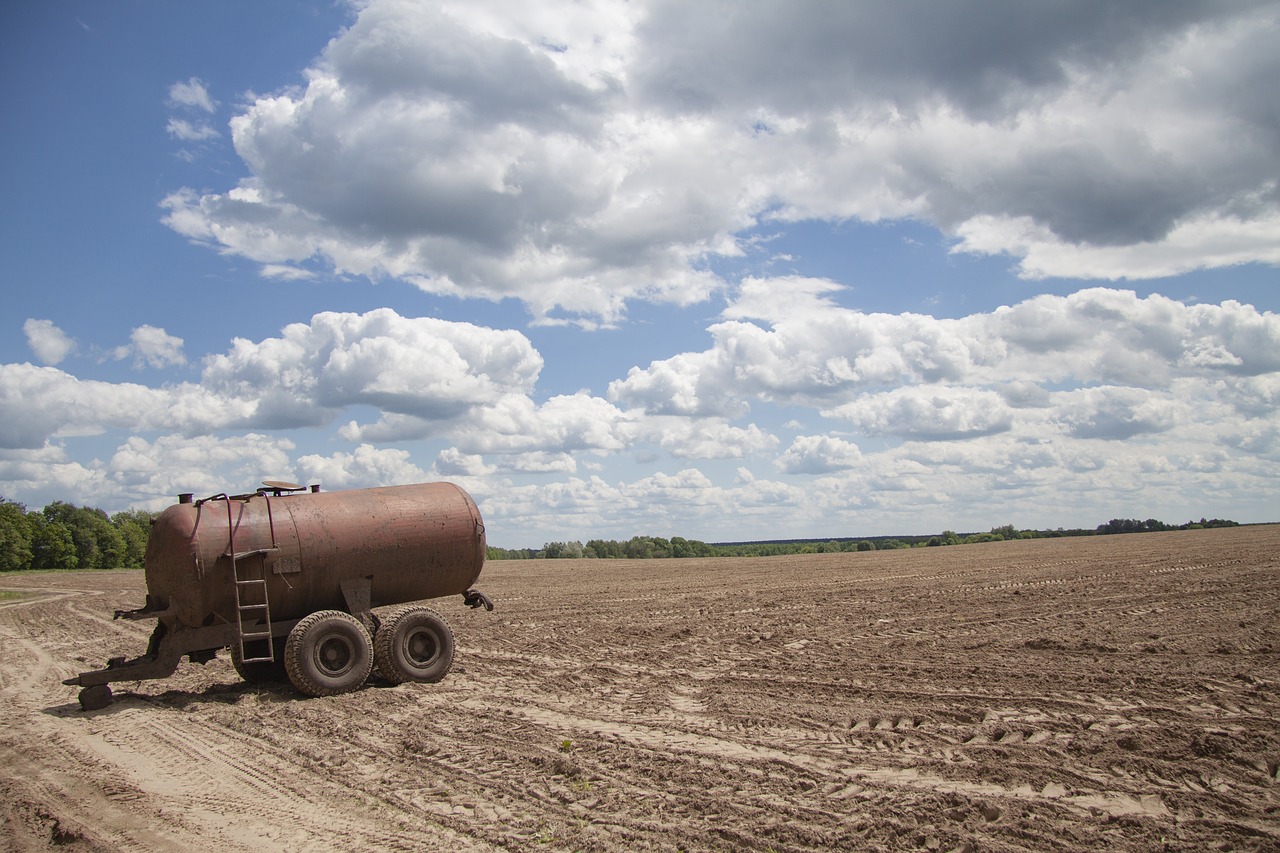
column 262, row 672
column 327, row 653
column 413, row 644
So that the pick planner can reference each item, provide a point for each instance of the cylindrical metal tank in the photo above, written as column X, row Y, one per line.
column 411, row 542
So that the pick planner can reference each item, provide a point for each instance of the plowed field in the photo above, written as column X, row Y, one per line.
column 1106, row 693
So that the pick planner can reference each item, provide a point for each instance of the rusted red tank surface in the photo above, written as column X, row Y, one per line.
column 412, row 542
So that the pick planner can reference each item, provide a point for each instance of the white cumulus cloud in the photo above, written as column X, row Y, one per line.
column 928, row 413
column 819, row 454
column 187, row 131
column 365, row 466
column 49, row 343
column 191, row 94
column 152, row 347
column 431, row 370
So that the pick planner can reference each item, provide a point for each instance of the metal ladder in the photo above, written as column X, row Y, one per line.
column 251, row 592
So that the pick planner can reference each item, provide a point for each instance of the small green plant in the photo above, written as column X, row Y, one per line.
column 566, row 745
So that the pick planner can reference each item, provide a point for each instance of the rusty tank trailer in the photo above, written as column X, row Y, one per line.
column 286, row 578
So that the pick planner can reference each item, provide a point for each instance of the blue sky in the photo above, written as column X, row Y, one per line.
column 718, row 270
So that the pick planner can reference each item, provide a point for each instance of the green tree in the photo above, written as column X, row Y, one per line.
column 681, row 547
column 647, row 547
column 53, row 546
column 16, row 530
column 493, row 552
column 562, row 550
column 134, row 527
column 604, row 549
column 98, row 544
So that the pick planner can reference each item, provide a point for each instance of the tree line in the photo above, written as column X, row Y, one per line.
column 65, row 536
column 1132, row 525
column 657, row 547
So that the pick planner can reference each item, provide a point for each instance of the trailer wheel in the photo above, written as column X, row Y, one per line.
column 327, row 653
column 95, row 698
column 262, row 672
column 413, row 644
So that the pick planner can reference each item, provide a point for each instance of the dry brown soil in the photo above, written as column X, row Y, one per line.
column 1108, row 693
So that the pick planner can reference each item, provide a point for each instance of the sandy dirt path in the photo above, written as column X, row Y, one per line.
column 1116, row 693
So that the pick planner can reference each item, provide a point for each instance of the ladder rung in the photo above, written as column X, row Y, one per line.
column 249, row 581
column 240, row 555
column 260, row 635
column 257, row 660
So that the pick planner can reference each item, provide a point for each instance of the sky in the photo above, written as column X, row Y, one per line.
column 721, row 270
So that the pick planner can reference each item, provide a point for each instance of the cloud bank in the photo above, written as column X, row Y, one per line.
column 1101, row 393
column 581, row 162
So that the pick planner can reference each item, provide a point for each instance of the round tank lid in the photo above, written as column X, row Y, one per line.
column 282, row 486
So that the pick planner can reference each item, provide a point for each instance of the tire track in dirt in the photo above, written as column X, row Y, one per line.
column 194, row 767
column 782, row 749
column 44, row 803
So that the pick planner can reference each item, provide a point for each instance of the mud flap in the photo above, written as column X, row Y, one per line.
column 358, row 594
